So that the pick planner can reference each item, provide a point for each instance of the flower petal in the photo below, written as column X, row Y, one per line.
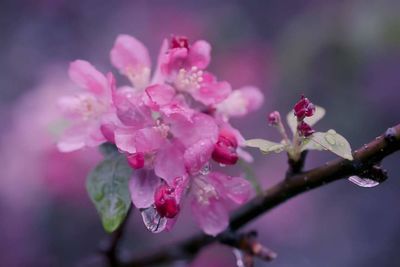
column 212, row 93
column 88, row 77
column 236, row 189
column 158, row 95
column 142, row 187
column 200, row 54
column 129, row 54
column 169, row 163
column 212, row 216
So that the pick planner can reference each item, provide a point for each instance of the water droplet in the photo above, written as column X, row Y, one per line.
column 330, row 139
column 363, row 182
column 152, row 220
column 206, row 169
column 365, row 146
column 222, row 165
column 242, row 260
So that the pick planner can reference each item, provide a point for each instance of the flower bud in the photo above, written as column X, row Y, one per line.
column 179, row 42
column 304, row 108
column 136, row 160
column 274, row 118
column 304, row 129
column 225, row 148
column 165, row 201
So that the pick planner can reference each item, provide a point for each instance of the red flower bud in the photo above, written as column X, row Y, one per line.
column 305, row 129
column 136, row 160
column 304, row 108
column 179, row 42
column 274, row 118
column 225, row 148
column 165, row 201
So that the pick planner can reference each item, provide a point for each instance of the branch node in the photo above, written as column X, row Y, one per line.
column 390, row 135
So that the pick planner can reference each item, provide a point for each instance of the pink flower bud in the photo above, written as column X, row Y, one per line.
column 225, row 148
column 179, row 42
column 136, row 160
column 305, row 129
column 165, row 201
column 274, row 118
column 304, row 108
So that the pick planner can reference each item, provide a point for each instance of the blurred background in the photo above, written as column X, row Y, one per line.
column 344, row 55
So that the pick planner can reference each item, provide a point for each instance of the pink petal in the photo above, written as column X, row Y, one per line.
column 197, row 155
column 144, row 140
column 202, row 127
column 236, row 189
column 254, row 97
column 125, row 139
column 149, row 139
column 158, row 95
column 158, row 76
column 174, row 60
column 88, row 77
column 212, row 216
column 142, row 187
column 200, row 54
column 212, row 93
column 129, row 54
column 130, row 108
column 169, row 163
column 177, row 109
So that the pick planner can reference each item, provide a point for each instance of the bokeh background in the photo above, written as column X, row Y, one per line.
column 344, row 55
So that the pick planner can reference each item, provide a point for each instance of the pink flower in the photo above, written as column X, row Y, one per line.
column 213, row 196
column 88, row 110
column 168, row 126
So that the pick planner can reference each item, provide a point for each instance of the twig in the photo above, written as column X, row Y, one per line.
column 109, row 246
column 364, row 159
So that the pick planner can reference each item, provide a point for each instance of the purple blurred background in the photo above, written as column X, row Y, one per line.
column 344, row 55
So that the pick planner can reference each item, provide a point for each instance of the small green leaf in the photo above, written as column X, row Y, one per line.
column 108, row 189
column 306, row 144
column 266, row 146
column 292, row 120
column 333, row 142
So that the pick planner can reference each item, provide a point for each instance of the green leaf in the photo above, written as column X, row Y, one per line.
column 292, row 120
column 333, row 142
column 108, row 189
column 266, row 146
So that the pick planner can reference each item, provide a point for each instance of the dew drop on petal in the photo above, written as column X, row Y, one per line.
column 330, row 139
column 331, row 131
column 152, row 220
column 363, row 182
column 206, row 169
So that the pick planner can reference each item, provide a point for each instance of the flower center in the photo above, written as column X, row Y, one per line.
column 187, row 80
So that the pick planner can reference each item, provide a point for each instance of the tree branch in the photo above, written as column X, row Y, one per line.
column 365, row 158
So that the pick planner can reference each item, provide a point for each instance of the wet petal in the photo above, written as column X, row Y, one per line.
column 142, row 187
column 88, row 77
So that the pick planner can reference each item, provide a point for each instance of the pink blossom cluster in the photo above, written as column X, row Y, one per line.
column 170, row 126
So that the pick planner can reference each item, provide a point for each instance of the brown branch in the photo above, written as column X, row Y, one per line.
column 365, row 159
